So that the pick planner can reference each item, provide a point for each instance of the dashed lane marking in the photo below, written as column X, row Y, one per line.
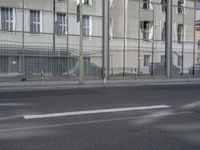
column 98, row 111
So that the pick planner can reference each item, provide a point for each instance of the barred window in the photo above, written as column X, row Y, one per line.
column 35, row 21
column 163, row 5
column 146, row 60
column 162, row 59
column 87, row 2
column 147, row 30
column 163, row 36
column 7, row 19
column 111, row 28
column 180, row 32
column 180, row 61
column 147, row 5
column 86, row 25
column 180, row 8
column 61, row 23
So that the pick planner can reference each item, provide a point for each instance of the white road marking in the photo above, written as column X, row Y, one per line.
column 14, row 104
column 38, row 127
column 94, row 112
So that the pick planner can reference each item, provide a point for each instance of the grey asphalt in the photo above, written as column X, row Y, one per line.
column 174, row 128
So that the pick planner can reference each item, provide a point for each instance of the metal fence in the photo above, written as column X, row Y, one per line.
column 136, row 40
column 50, row 46
column 137, row 45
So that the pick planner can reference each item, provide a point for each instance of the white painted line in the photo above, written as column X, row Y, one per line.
column 94, row 112
column 35, row 127
column 14, row 104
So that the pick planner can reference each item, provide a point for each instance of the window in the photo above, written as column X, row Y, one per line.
column 198, row 45
column 35, row 21
column 163, row 36
column 111, row 28
column 162, row 59
column 147, row 30
column 146, row 60
column 180, row 61
column 163, row 7
column 87, row 2
column 180, row 31
column 147, row 5
column 61, row 24
column 7, row 19
column 86, row 25
column 111, row 3
column 180, row 8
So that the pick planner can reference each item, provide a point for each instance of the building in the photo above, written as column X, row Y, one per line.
column 43, row 36
column 140, row 28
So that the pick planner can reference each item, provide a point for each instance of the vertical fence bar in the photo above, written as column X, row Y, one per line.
column 194, row 38
column 68, row 53
column 183, row 20
column 106, row 28
column 53, row 55
column 23, row 57
column 54, row 28
column 138, row 70
column 168, row 48
column 81, row 45
column 153, row 40
column 124, row 39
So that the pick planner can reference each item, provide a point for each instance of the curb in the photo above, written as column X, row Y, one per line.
column 99, row 85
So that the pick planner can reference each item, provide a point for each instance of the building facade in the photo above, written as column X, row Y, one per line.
column 43, row 36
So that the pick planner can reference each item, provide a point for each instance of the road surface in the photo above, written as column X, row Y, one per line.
column 138, row 118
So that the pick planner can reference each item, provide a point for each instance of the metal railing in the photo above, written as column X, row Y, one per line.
column 25, row 55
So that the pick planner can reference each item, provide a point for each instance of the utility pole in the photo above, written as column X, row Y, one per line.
column 81, row 44
column 168, row 45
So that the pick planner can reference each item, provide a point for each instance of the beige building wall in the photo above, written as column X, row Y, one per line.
column 125, row 23
column 125, row 17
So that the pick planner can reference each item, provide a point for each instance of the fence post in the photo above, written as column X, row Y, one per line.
column 168, row 45
column 138, row 59
column 23, row 57
column 81, row 45
column 194, row 42
column 106, row 18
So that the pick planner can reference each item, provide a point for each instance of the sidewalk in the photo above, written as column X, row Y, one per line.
column 46, row 85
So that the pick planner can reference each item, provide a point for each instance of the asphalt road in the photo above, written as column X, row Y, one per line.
column 176, row 127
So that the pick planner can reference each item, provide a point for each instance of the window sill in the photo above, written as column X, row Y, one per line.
column 180, row 13
column 146, row 9
column 61, row 35
column 61, row 1
column 36, row 34
column 88, row 5
column 8, row 32
column 180, row 42
column 87, row 38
